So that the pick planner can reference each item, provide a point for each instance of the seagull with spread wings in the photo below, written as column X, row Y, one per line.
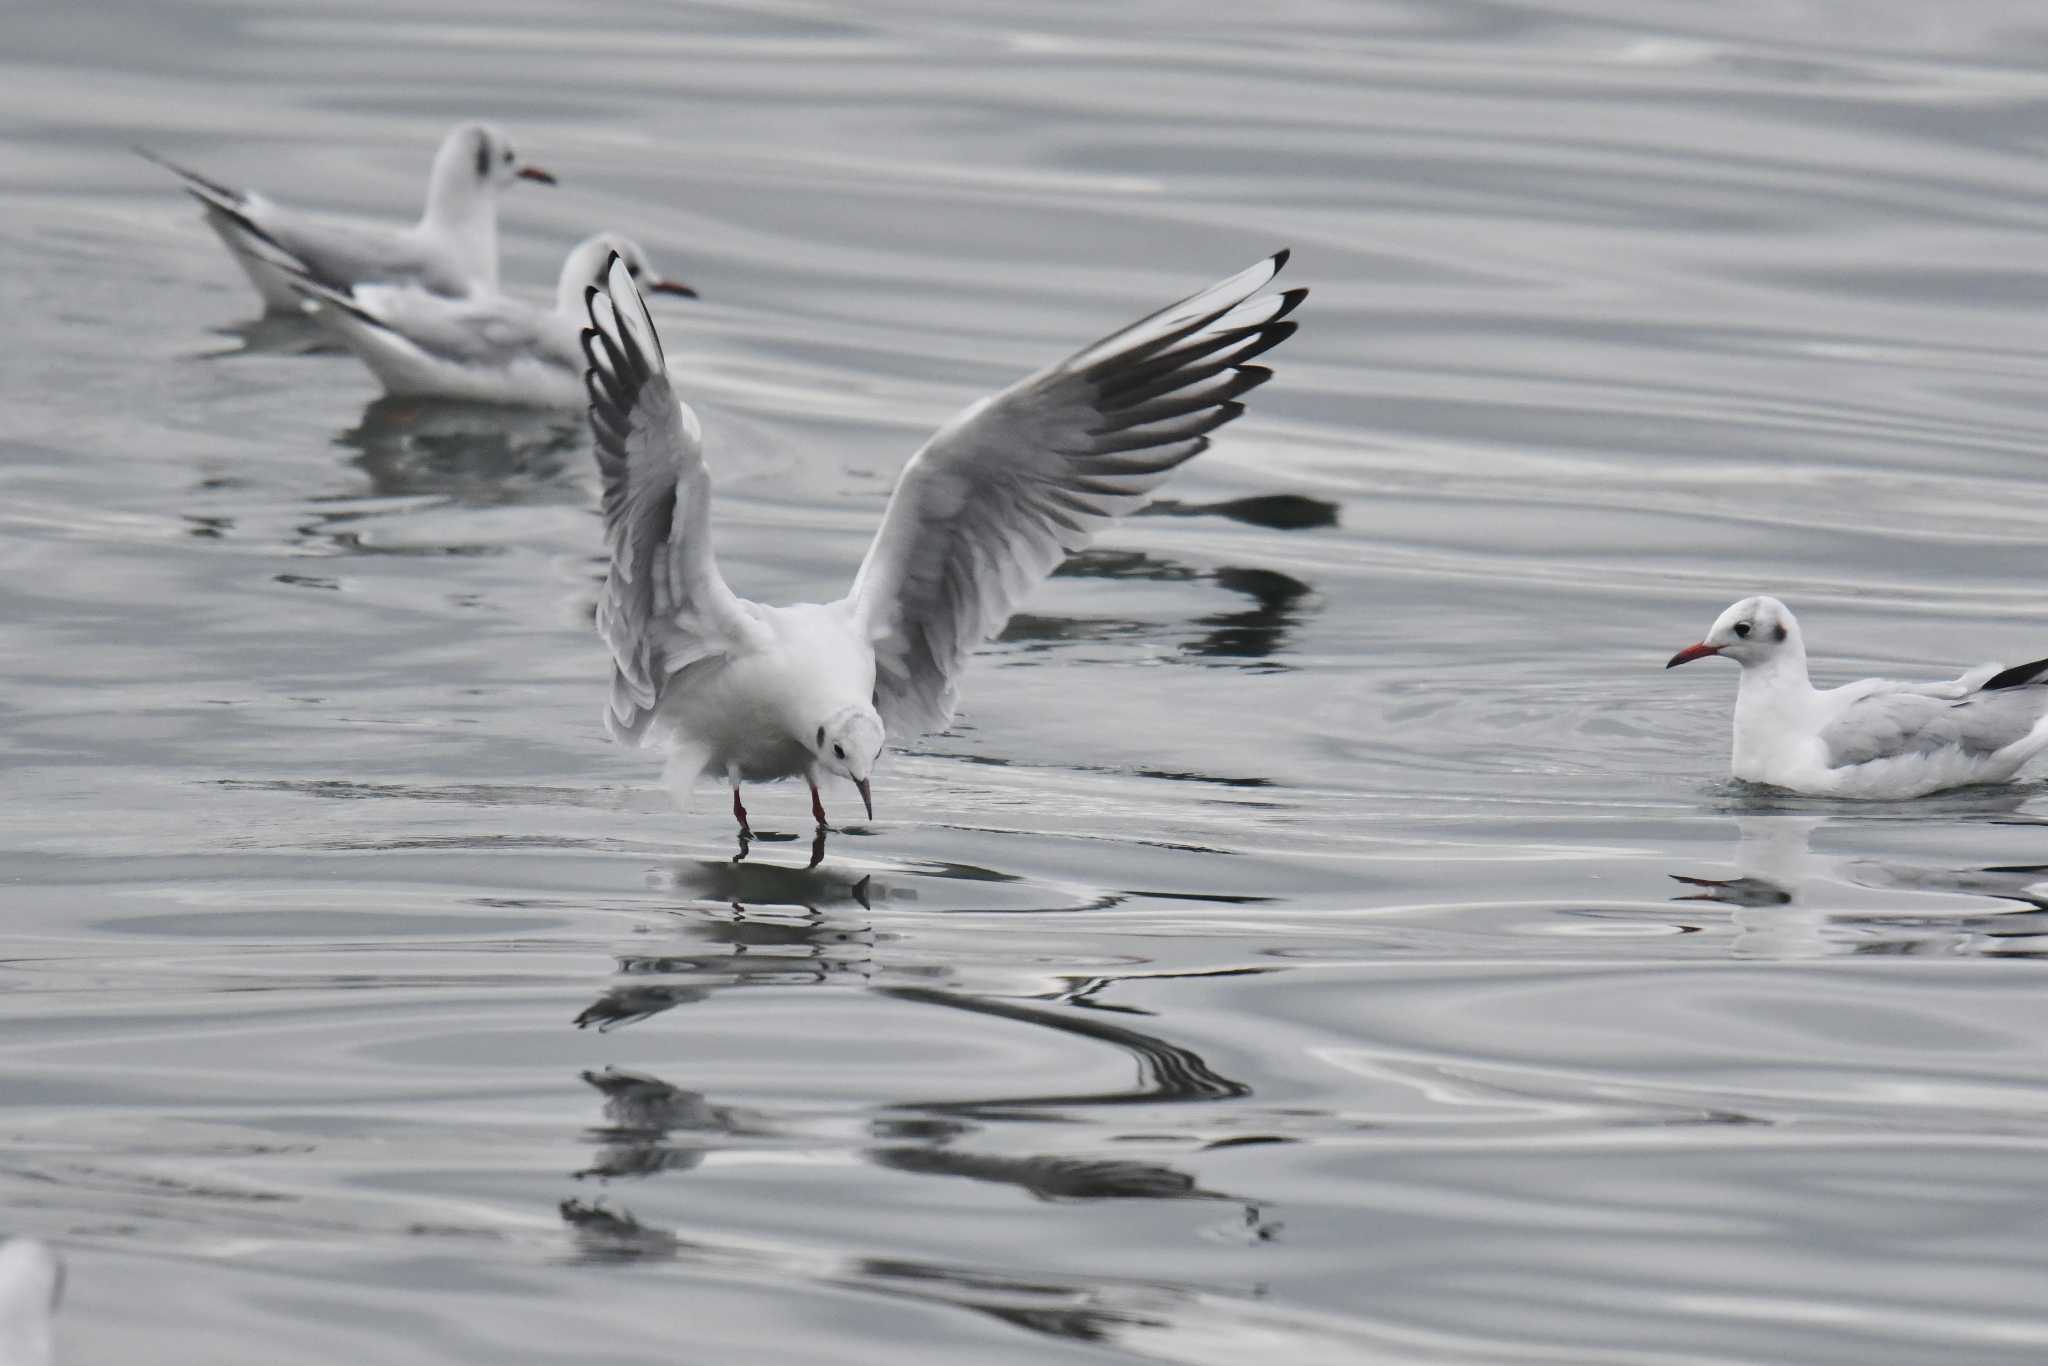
column 988, row 507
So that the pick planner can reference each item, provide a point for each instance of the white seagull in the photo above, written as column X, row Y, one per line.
column 989, row 506
column 31, row 1284
column 453, row 249
column 1875, row 739
column 487, row 347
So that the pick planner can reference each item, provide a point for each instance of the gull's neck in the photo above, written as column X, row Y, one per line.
column 579, row 272
column 1773, row 704
column 463, row 212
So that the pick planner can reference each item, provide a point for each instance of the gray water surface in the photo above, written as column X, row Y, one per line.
column 1326, row 936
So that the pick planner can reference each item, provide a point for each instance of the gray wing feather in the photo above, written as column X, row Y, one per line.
column 490, row 330
column 1903, row 720
column 1001, row 494
column 664, row 606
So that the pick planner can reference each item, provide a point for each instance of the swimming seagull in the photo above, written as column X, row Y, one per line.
column 989, row 506
column 31, row 1284
column 1873, row 739
column 453, row 249
column 488, row 347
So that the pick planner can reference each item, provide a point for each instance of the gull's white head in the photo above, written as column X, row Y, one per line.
column 590, row 259
column 848, row 743
column 476, row 160
column 31, row 1283
column 1754, row 631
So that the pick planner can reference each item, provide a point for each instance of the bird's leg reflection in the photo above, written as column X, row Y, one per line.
column 739, row 813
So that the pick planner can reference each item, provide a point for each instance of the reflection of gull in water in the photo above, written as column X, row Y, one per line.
column 1150, row 1319
column 1060, row 1179
column 1772, row 852
column 477, row 453
column 31, row 1284
column 643, row 1112
column 781, row 933
column 1781, row 880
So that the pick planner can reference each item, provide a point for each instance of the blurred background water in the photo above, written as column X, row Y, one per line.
column 1326, row 936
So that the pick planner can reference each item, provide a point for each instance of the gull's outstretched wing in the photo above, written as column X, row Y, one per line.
column 1002, row 493
column 664, row 605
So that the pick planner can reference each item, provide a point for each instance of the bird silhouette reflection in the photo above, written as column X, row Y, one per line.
column 1279, row 602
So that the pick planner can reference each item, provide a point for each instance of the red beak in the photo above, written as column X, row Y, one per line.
column 675, row 287
column 867, row 798
column 1692, row 652
column 536, row 173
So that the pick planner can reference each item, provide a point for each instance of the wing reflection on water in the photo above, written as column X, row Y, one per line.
column 1156, row 1319
column 476, row 453
column 1166, row 1071
column 1257, row 632
column 644, row 1114
column 1781, row 892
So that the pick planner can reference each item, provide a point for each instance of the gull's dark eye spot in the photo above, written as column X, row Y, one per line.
column 1742, row 629
column 508, row 156
column 821, row 735
column 1779, row 633
column 839, row 751
column 633, row 271
column 483, row 157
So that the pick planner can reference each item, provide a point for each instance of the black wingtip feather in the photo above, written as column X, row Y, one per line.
column 2019, row 676
column 1279, row 258
column 212, row 186
column 334, row 298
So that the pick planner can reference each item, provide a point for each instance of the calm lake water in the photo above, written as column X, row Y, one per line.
column 1281, row 961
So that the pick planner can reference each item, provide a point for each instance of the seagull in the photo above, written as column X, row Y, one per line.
column 987, row 507
column 453, row 249
column 1875, row 739
column 31, row 1284
column 487, row 347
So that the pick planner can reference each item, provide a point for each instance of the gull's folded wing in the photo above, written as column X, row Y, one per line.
column 1893, row 722
column 1001, row 494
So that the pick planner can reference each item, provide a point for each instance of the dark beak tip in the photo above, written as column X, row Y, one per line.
column 535, row 173
column 867, row 797
column 675, row 287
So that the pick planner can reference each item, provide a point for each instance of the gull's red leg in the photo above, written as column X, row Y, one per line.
column 817, row 806
column 740, row 812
